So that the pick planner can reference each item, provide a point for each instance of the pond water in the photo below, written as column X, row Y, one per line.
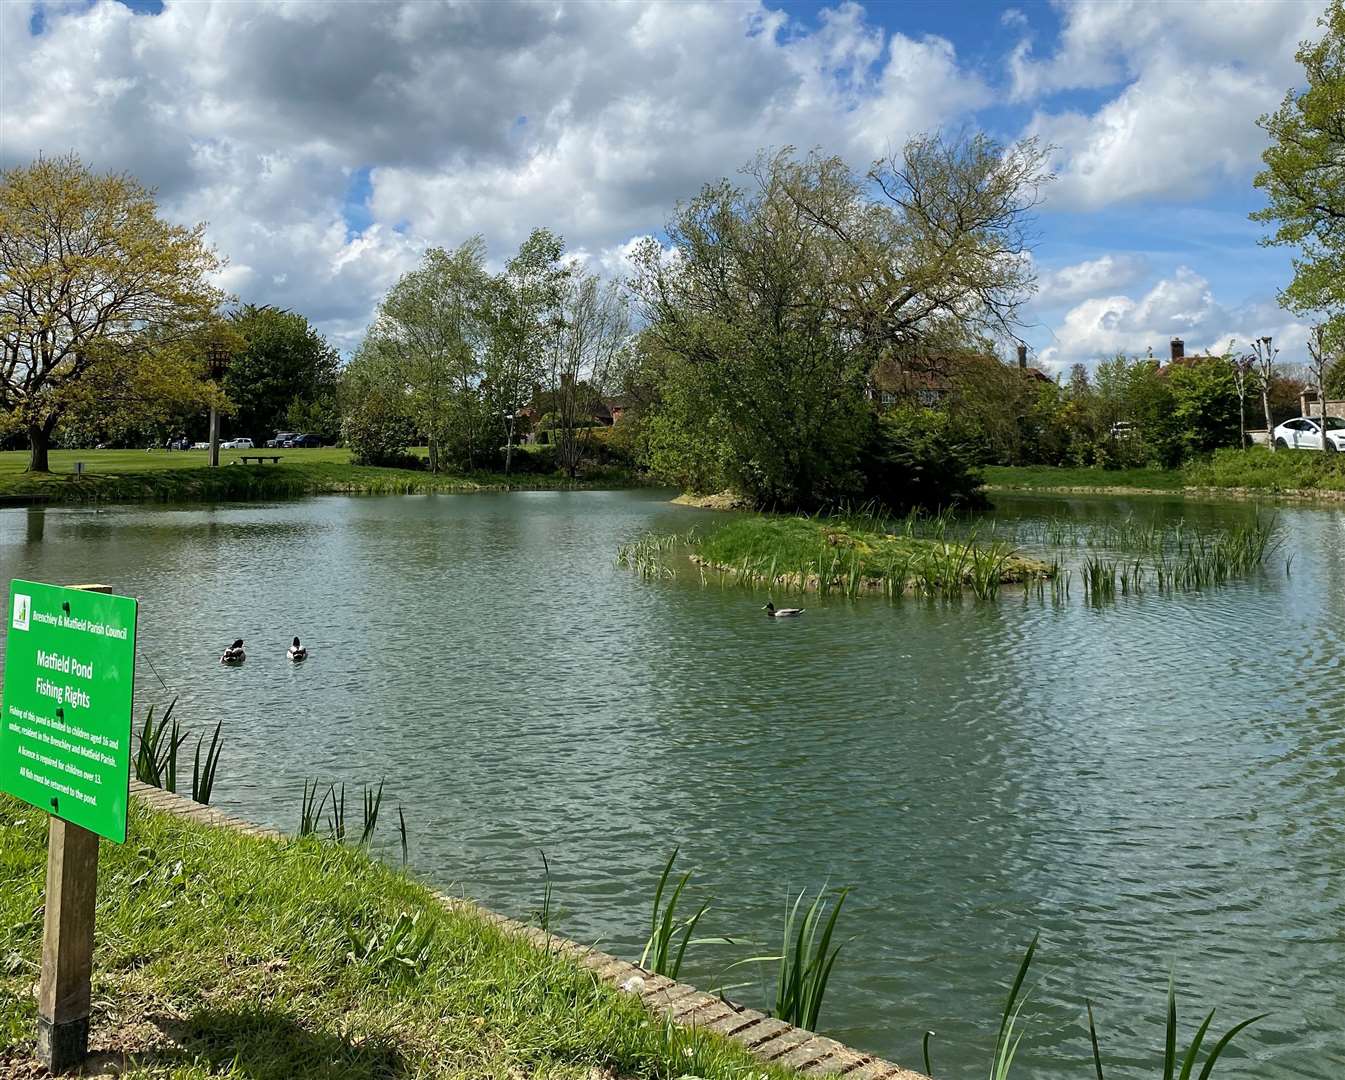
column 1155, row 784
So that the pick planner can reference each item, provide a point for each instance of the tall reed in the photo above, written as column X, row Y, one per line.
column 665, row 926
column 806, row 959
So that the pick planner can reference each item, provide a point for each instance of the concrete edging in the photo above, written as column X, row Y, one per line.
column 768, row 1039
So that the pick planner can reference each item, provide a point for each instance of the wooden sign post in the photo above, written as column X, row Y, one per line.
column 65, row 733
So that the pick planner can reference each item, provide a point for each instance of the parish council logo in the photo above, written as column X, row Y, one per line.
column 22, row 606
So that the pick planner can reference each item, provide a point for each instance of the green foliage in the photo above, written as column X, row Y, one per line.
column 922, row 459
column 665, row 926
column 157, row 747
column 284, row 366
column 1304, row 178
column 101, row 300
column 1258, row 468
column 783, row 294
column 376, row 426
column 807, row 959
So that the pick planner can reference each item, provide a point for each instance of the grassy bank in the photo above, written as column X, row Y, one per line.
column 221, row 954
column 850, row 554
column 1255, row 470
column 184, row 476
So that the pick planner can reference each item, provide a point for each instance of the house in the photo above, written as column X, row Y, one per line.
column 930, row 379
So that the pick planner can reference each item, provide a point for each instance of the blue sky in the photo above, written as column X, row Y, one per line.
column 328, row 144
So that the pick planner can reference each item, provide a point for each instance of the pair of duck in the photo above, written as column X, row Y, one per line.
column 235, row 655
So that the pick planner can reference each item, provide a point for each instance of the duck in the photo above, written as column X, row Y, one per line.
column 234, row 654
column 782, row 613
column 297, row 653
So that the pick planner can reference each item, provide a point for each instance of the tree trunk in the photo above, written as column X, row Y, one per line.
column 509, row 449
column 1242, row 420
column 434, row 453
column 1270, row 428
column 39, row 443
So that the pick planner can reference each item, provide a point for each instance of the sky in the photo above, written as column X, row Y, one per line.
column 328, row 144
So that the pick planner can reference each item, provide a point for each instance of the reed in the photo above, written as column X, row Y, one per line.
column 1173, row 1067
column 544, row 912
column 373, row 801
column 665, row 926
column 203, row 772
column 401, row 833
column 806, row 959
column 336, row 819
column 156, row 757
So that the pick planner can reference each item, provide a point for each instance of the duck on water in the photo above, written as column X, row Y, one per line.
column 782, row 613
column 296, row 653
column 234, row 654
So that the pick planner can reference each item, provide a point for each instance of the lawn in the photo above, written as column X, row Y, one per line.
column 1255, row 469
column 1051, row 476
column 222, row 954
column 172, row 476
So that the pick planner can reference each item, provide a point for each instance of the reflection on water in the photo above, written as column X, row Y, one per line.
column 1152, row 783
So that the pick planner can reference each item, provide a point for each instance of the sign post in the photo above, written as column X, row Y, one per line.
column 65, row 734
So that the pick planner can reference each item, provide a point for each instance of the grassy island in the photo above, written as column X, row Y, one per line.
column 849, row 554
column 183, row 476
column 223, row 954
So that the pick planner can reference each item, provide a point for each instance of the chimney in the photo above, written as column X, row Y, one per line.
column 1178, row 348
column 1022, row 356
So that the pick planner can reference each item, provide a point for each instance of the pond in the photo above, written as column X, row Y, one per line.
column 1155, row 784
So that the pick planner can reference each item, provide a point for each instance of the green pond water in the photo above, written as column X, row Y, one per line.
column 1155, row 784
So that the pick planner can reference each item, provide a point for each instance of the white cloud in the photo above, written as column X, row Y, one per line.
column 1183, row 306
column 1192, row 78
column 485, row 118
column 1088, row 278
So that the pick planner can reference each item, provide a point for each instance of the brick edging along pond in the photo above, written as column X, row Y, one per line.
column 768, row 1039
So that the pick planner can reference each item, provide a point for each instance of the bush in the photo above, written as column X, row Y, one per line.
column 533, row 459
column 922, row 459
column 378, row 433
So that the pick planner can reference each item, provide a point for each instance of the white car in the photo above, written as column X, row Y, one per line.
column 1305, row 433
column 236, row 444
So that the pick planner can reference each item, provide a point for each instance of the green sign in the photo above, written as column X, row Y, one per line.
column 65, row 718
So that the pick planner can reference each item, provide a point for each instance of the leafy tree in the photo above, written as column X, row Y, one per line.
column 427, row 343
column 283, row 363
column 100, row 298
column 592, row 330
column 1304, row 177
column 922, row 459
column 376, row 421
column 522, row 316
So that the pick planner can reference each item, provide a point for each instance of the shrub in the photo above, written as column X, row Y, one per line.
column 377, row 431
column 922, row 458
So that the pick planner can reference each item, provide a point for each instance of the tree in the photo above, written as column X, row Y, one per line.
column 96, row 290
column 428, row 341
column 283, row 366
column 593, row 329
column 1262, row 361
column 1304, row 177
column 1323, row 351
column 522, row 315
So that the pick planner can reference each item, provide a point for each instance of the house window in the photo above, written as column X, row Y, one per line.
column 928, row 398
column 888, row 399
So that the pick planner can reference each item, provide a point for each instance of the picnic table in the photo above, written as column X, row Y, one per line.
column 258, row 458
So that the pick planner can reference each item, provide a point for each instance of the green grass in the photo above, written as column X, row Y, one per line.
column 1260, row 470
column 857, row 553
column 1254, row 469
column 308, row 959
column 183, row 476
column 1051, row 476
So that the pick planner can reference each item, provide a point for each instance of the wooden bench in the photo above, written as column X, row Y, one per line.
column 258, row 458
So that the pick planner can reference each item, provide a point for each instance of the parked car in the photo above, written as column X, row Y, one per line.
column 1305, row 433
column 237, row 444
column 305, row 442
column 282, row 438
column 200, row 446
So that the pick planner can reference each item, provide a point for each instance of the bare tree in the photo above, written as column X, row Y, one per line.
column 1323, row 352
column 1262, row 360
column 1242, row 367
column 593, row 328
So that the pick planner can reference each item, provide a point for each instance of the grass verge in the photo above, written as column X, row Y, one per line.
column 221, row 954
column 1236, row 471
column 136, row 476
